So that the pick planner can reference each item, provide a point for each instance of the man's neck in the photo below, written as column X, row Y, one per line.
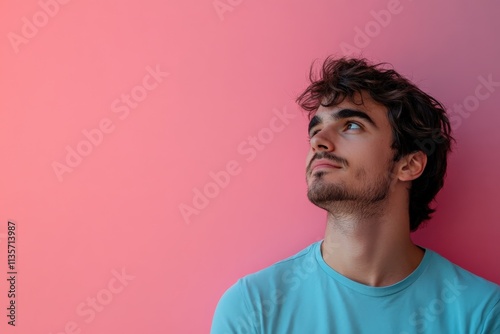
column 376, row 252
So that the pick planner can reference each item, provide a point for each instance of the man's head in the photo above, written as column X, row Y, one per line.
column 383, row 127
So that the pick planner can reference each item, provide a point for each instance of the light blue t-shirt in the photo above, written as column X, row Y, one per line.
column 303, row 295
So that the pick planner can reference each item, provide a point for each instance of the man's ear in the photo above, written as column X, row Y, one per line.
column 412, row 166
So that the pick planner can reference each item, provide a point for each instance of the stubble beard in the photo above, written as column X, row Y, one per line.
column 339, row 200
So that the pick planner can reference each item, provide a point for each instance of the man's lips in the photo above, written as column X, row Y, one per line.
column 323, row 163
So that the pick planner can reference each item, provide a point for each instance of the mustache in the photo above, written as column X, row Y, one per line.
column 328, row 156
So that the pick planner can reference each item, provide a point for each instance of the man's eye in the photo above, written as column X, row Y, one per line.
column 313, row 133
column 355, row 124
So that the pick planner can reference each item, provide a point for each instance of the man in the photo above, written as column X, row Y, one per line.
column 377, row 158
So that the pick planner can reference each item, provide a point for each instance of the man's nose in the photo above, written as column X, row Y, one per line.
column 322, row 141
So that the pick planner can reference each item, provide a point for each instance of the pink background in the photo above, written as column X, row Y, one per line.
column 230, row 70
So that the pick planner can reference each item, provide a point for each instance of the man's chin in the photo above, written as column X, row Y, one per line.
column 326, row 193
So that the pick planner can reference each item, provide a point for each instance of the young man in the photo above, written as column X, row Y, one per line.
column 377, row 158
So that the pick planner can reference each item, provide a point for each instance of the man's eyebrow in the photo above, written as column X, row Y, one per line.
column 342, row 113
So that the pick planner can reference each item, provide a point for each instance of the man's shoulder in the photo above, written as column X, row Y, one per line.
column 276, row 271
column 442, row 268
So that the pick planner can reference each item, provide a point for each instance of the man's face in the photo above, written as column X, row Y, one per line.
column 350, row 160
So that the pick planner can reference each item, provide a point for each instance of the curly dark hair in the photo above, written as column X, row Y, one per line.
column 419, row 122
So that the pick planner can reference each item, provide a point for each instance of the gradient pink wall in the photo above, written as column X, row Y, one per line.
column 156, row 97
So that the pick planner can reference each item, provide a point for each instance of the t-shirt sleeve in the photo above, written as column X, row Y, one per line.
column 232, row 315
column 492, row 324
